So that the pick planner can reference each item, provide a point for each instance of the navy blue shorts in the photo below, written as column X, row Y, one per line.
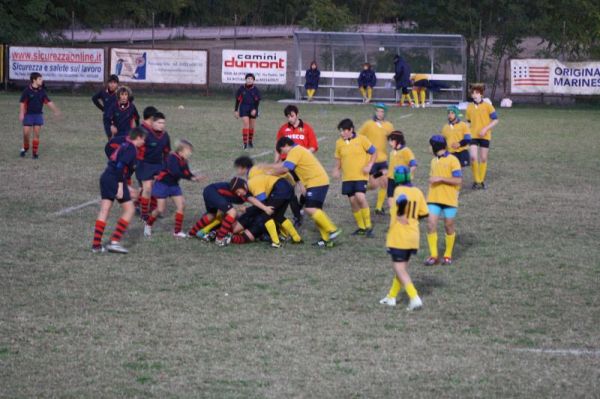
column 463, row 157
column 282, row 189
column 147, row 171
column 391, row 187
column 33, row 120
column 245, row 110
column 480, row 143
column 352, row 187
column 315, row 196
column 107, row 125
column 162, row 190
column 401, row 255
column 378, row 167
column 109, row 185
column 215, row 202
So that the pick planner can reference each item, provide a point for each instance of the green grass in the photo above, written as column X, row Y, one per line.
column 300, row 322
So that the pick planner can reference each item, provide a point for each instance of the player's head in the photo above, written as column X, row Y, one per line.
column 249, row 78
column 36, row 79
column 184, row 148
column 380, row 110
column 453, row 112
column 243, row 164
column 346, row 128
column 438, row 143
column 149, row 112
column 284, row 145
column 113, row 82
column 238, row 186
column 313, row 65
column 402, row 175
column 291, row 113
column 477, row 90
column 366, row 66
column 124, row 94
column 396, row 139
column 137, row 136
column 158, row 121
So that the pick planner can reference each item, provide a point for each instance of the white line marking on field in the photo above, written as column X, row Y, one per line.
column 76, row 207
column 565, row 351
column 405, row 116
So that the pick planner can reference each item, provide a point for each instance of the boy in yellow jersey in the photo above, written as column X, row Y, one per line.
column 445, row 179
column 420, row 82
column 377, row 130
column 314, row 178
column 400, row 155
column 403, row 236
column 482, row 117
column 458, row 136
column 355, row 156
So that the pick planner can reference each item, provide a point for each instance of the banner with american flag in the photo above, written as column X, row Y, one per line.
column 536, row 76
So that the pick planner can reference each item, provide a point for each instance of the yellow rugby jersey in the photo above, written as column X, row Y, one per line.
column 404, row 156
column 441, row 193
column 255, row 171
column 307, row 167
column 479, row 116
column 261, row 186
column 354, row 155
column 377, row 133
column 455, row 133
column 419, row 76
column 406, row 236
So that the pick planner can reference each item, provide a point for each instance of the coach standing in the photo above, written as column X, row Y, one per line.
column 402, row 78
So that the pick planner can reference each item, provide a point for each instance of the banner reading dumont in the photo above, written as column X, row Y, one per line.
column 160, row 66
column 269, row 67
column 57, row 64
column 549, row 76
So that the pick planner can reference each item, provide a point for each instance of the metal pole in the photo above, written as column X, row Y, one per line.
column 72, row 28
column 332, row 90
column 234, row 31
column 152, row 30
column 432, row 56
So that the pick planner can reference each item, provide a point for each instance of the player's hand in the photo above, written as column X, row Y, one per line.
column 483, row 132
column 58, row 114
column 120, row 192
column 269, row 210
column 435, row 179
column 455, row 145
column 367, row 169
column 335, row 173
column 21, row 117
column 236, row 114
column 113, row 130
column 253, row 112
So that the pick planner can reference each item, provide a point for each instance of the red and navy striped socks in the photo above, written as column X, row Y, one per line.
column 119, row 230
column 98, row 232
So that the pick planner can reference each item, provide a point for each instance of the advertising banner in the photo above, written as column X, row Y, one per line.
column 269, row 67
column 549, row 76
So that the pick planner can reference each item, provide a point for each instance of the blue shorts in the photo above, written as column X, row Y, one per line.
column 147, row 171
column 245, row 110
column 378, row 167
column 448, row 212
column 215, row 202
column 391, row 187
column 352, row 187
column 33, row 120
column 463, row 157
column 401, row 255
column 282, row 190
column 162, row 190
column 109, row 185
column 315, row 196
column 480, row 143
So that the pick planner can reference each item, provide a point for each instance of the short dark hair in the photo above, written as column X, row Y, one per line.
column 283, row 142
column 289, row 109
column 137, row 132
column 149, row 112
column 113, row 78
column 238, row 182
column 34, row 76
column 249, row 75
column 124, row 89
column 243, row 162
column 398, row 137
column 158, row 115
column 345, row 124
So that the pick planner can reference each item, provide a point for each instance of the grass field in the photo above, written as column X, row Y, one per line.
column 517, row 315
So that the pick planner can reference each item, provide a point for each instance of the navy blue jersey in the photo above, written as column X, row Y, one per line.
column 125, row 117
column 177, row 168
column 401, row 72
column 367, row 78
column 223, row 189
column 312, row 79
column 122, row 161
column 34, row 99
column 157, row 147
column 105, row 100
column 113, row 144
column 247, row 96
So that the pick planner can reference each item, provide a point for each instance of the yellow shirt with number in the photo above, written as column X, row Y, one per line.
column 354, row 155
column 307, row 167
column 479, row 116
column 455, row 133
column 406, row 236
column 446, row 166
column 404, row 156
column 377, row 133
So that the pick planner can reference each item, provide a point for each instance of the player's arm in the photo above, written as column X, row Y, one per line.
column 373, row 151
column 136, row 117
column 455, row 180
column 238, row 101
column 313, row 143
column 335, row 172
column 96, row 100
column 423, row 210
column 22, row 109
column 466, row 138
column 54, row 108
column 257, row 203
column 491, row 125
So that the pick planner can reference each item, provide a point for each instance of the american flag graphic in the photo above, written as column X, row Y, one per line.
column 525, row 75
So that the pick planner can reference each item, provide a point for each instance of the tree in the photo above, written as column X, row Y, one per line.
column 327, row 16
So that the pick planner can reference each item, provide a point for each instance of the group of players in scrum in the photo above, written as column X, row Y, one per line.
column 361, row 161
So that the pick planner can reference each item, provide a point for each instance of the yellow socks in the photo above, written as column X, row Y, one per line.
column 381, row 197
column 395, row 288
column 411, row 291
column 482, row 171
column 324, row 224
column 432, row 240
column 449, row 245
column 475, row 168
column 288, row 226
column 360, row 222
column 366, row 215
column 310, row 92
column 369, row 92
column 272, row 230
column 216, row 221
column 416, row 97
column 422, row 93
column 363, row 92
